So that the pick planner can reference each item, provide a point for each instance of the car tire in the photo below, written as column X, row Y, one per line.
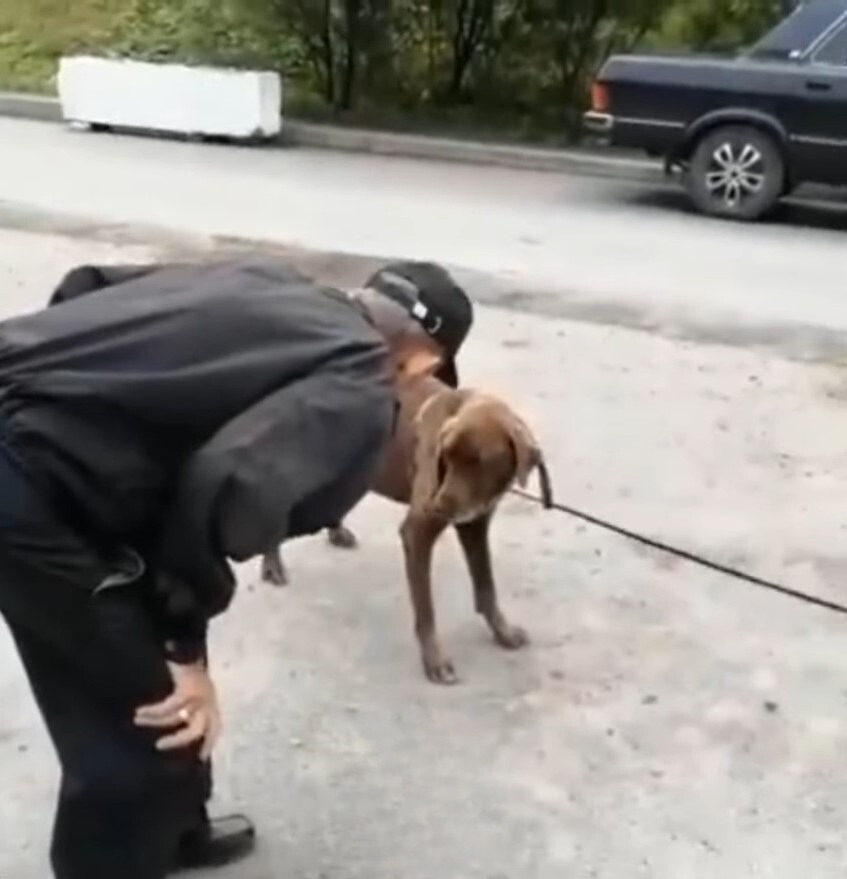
column 736, row 172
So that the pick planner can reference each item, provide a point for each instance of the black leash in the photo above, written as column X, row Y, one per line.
column 548, row 503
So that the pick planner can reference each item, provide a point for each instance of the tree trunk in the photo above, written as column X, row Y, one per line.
column 328, row 54
column 473, row 18
column 579, row 50
column 348, row 85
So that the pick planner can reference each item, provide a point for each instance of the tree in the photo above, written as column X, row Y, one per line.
column 472, row 22
column 522, row 62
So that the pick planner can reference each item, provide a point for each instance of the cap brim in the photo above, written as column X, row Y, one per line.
column 448, row 373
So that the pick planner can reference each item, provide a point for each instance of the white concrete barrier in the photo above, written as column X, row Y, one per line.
column 174, row 98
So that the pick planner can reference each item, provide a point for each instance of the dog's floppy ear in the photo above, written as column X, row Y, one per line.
column 433, row 424
column 529, row 456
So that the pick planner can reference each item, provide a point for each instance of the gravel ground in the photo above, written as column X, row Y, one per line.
column 666, row 722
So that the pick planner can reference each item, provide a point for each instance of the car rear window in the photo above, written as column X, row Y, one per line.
column 794, row 35
column 834, row 50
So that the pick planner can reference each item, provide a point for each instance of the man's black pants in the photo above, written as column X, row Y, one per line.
column 92, row 657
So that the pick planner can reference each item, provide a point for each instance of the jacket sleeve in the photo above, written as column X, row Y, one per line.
column 294, row 463
column 88, row 279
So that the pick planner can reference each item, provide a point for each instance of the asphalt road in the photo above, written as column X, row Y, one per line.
column 587, row 248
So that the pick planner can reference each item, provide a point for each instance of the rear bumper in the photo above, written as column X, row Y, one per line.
column 598, row 124
column 656, row 137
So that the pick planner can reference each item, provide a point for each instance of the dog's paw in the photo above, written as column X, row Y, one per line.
column 511, row 637
column 274, row 572
column 439, row 670
column 342, row 538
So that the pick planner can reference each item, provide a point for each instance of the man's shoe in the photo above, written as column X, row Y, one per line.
column 216, row 843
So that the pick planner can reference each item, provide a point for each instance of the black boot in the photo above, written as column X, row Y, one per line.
column 216, row 842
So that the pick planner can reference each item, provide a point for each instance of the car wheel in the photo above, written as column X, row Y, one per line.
column 736, row 172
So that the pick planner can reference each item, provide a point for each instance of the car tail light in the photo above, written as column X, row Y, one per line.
column 600, row 97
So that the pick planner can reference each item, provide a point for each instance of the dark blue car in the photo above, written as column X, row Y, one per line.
column 744, row 130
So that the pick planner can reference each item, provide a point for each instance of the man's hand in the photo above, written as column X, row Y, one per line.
column 191, row 710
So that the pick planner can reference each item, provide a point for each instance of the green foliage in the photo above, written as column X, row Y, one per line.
column 35, row 33
column 522, row 66
column 709, row 24
column 219, row 32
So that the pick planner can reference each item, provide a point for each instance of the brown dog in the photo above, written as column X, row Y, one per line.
column 454, row 454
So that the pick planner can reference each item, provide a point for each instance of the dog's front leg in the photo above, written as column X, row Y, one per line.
column 419, row 534
column 273, row 568
column 474, row 539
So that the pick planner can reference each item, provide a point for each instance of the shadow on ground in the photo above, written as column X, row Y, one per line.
column 811, row 209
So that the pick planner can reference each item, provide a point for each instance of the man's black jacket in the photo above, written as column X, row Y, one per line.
column 196, row 413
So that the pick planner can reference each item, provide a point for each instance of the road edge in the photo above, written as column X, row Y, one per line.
column 582, row 162
column 800, row 343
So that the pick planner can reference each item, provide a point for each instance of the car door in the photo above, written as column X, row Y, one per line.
column 817, row 111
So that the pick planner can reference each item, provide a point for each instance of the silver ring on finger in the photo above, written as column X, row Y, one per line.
column 184, row 716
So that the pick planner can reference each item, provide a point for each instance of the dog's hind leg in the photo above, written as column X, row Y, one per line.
column 419, row 534
column 273, row 568
column 341, row 536
column 474, row 539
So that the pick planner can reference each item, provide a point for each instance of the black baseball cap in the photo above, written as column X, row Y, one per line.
column 433, row 298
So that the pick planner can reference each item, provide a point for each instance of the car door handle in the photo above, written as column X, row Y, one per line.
column 817, row 85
